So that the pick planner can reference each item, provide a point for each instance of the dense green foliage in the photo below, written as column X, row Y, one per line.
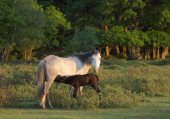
column 55, row 21
column 82, row 41
column 134, row 28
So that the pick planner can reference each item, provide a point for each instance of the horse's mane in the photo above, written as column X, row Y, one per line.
column 84, row 57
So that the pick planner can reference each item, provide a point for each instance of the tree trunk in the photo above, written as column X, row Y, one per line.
column 128, row 52
column 133, row 52
column 29, row 54
column 157, row 52
column 5, row 54
column 25, row 50
column 106, row 28
column 165, row 52
column 107, row 47
column 147, row 53
column 124, row 51
column 138, row 54
column 107, row 51
column 153, row 53
column 117, row 51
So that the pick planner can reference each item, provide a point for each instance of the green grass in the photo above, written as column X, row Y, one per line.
column 130, row 90
column 154, row 108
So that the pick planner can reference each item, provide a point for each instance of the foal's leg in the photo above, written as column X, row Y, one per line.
column 71, row 90
column 75, row 91
column 96, row 88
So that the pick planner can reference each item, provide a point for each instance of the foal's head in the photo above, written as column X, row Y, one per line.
column 60, row 79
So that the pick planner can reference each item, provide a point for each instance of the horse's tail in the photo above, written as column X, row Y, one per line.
column 40, row 80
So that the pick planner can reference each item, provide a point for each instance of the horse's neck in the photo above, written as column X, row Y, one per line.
column 80, row 68
column 84, row 69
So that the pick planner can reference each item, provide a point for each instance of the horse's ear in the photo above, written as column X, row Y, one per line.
column 94, row 51
column 98, row 49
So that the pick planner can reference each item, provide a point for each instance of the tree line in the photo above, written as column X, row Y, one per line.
column 132, row 29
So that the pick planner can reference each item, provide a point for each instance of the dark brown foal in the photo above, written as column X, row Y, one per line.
column 79, row 80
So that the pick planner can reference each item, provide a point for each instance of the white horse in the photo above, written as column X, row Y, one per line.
column 51, row 66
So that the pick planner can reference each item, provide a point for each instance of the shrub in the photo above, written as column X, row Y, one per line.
column 115, row 96
column 111, row 96
column 152, row 81
column 59, row 95
column 3, row 97
column 121, row 82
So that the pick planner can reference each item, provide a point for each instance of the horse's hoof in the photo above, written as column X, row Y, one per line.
column 51, row 106
column 81, row 94
column 76, row 97
column 43, row 107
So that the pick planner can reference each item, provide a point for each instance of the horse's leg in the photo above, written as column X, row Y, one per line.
column 40, row 90
column 49, row 102
column 42, row 104
column 81, row 90
column 41, row 95
column 46, row 91
column 40, row 84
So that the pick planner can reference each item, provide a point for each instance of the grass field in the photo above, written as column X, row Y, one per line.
column 130, row 90
column 155, row 108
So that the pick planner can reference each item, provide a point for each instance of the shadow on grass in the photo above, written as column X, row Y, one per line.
column 161, row 62
column 122, row 63
column 23, row 105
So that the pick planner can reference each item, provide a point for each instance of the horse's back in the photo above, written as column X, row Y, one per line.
column 59, row 65
column 51, row 58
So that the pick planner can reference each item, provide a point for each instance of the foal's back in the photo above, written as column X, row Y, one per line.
column 86, row 79
column 92, row 78
column 81, row 79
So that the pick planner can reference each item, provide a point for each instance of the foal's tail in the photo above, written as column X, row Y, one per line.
column 40, row 80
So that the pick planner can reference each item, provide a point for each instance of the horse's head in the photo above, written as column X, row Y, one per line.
column 96, row 58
